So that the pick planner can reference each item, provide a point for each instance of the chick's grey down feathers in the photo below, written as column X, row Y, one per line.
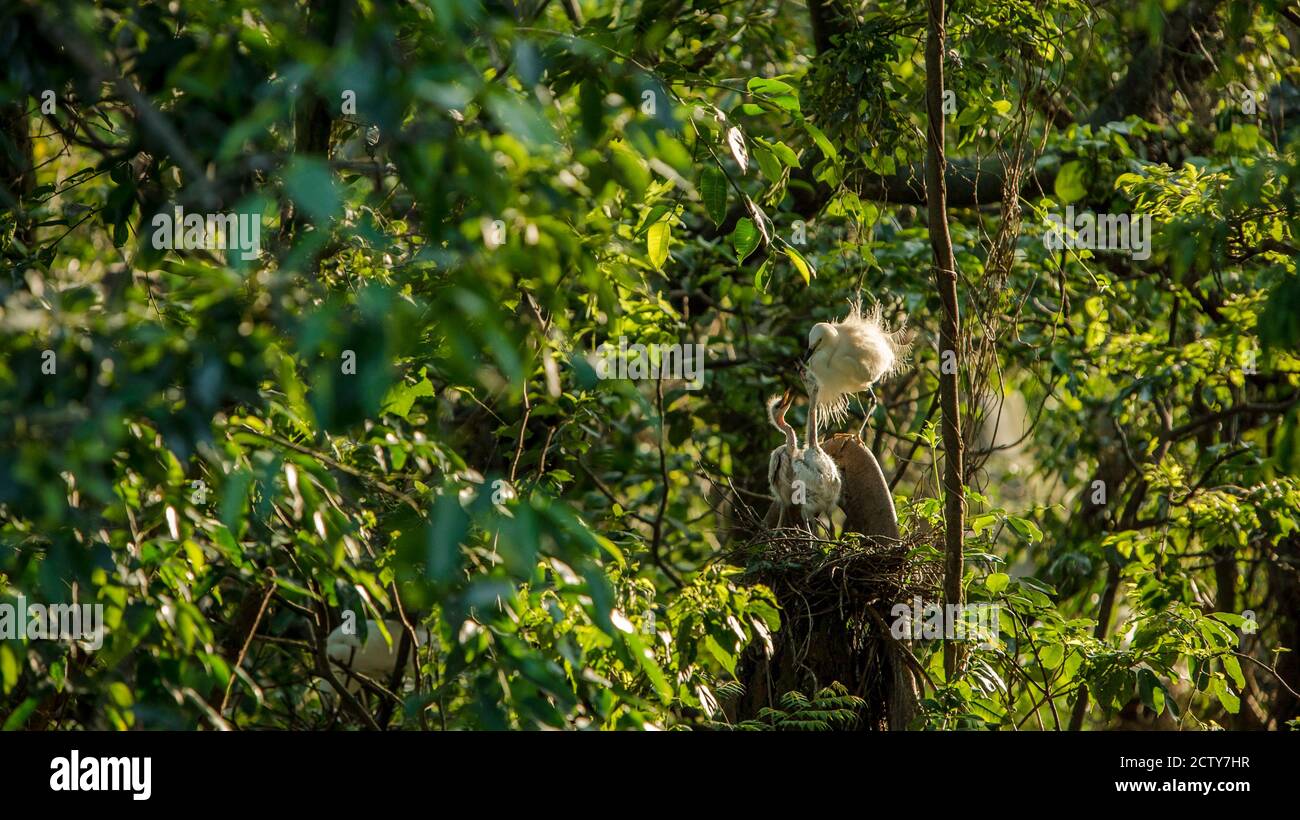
column 780, row 465
column 815, row 470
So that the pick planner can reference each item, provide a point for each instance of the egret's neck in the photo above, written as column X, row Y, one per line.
column 791, row 440
column 811, row 434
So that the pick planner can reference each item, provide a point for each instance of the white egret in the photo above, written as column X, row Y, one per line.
column 851, row 355
column 820, row 478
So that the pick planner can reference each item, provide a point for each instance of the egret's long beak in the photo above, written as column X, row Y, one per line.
column 811, row 351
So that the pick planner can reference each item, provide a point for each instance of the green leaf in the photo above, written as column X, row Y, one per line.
column 805, row 268
column 120, row 694
column 1071, row 183
column 656, row 240
column 787, row 102
column 521, row 118
column 1051, row 655
column 782, row 152
column 970, row 115
column 402, row 396
column 760, row 276
column 311, row 186
column 1233, row 667
column 591, row 106
column 18, row 718
column 645, row 658
column 713, row 191
column 768, row 163
column 1225, row 695
column 744, row 238
column 997, row 582
column 8, row 668
column 723, row 657
column 820, row 139
column 1026, row 529
column 1232, row 619
column 760, row 85
column 1151, row 691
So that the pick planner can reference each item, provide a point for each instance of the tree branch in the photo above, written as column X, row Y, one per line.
column 945, row 271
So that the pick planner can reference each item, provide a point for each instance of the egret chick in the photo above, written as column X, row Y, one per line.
column 821, row 482
column 780, row 465
column 851, row 355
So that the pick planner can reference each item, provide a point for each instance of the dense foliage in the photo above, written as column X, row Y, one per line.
column 394, row 409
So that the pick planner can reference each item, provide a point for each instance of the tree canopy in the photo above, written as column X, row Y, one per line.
column 381, row 396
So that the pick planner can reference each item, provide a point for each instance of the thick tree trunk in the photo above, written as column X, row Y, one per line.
column 313, row 120
column 828, row 17
column 945, row 269
column 17, row 177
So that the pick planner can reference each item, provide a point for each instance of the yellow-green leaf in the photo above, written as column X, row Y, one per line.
column 8, row 668
column 805, row 268
column 1070, row 183
column 656, row 240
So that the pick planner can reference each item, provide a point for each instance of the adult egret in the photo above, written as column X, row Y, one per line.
column 851, row 355
column 373, row 657
column 820, row 478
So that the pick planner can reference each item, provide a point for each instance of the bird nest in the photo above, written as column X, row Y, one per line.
column 847, row 576
column 836, row 599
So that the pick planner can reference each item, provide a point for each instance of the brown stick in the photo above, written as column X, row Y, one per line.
column 267, row 594
column 950, row 330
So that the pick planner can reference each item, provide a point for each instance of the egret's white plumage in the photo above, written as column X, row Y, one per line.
column 851, row 355
column 373, row 657
column 780, row 465
column 816, row 470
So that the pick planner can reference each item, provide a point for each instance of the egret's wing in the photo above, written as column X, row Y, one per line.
column 867, row 353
